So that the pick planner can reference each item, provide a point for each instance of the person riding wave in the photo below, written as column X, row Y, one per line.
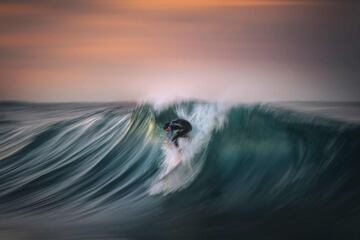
column 176, row 129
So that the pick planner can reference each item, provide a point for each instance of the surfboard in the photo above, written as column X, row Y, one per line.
column 173, row 159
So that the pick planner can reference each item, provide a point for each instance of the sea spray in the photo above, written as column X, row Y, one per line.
column 185, row 163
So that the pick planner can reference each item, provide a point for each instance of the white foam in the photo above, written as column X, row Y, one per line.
column 179, row 166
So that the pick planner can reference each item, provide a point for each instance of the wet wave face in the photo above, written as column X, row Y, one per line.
column 106, row 171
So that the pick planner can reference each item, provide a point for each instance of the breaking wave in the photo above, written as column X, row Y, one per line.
column 244, row 167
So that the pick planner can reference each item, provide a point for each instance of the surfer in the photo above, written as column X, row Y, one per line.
column 177, row 128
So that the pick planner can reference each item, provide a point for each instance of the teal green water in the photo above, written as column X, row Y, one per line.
column 104, row 171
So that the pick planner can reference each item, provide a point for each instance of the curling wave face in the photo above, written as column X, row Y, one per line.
column 246, row 170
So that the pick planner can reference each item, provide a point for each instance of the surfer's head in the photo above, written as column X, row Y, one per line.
column 167, row 127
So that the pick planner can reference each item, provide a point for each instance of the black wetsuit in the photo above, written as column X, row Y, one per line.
column 178, row 128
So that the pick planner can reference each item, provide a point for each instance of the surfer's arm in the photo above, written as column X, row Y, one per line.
column 178, row 134
column 174, row 139
column 175, row 126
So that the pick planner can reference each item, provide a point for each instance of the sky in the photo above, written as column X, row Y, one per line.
column 232, row 50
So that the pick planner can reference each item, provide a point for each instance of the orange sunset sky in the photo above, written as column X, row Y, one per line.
column 238, row 50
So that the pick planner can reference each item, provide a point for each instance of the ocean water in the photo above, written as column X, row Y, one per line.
column 248, row 171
